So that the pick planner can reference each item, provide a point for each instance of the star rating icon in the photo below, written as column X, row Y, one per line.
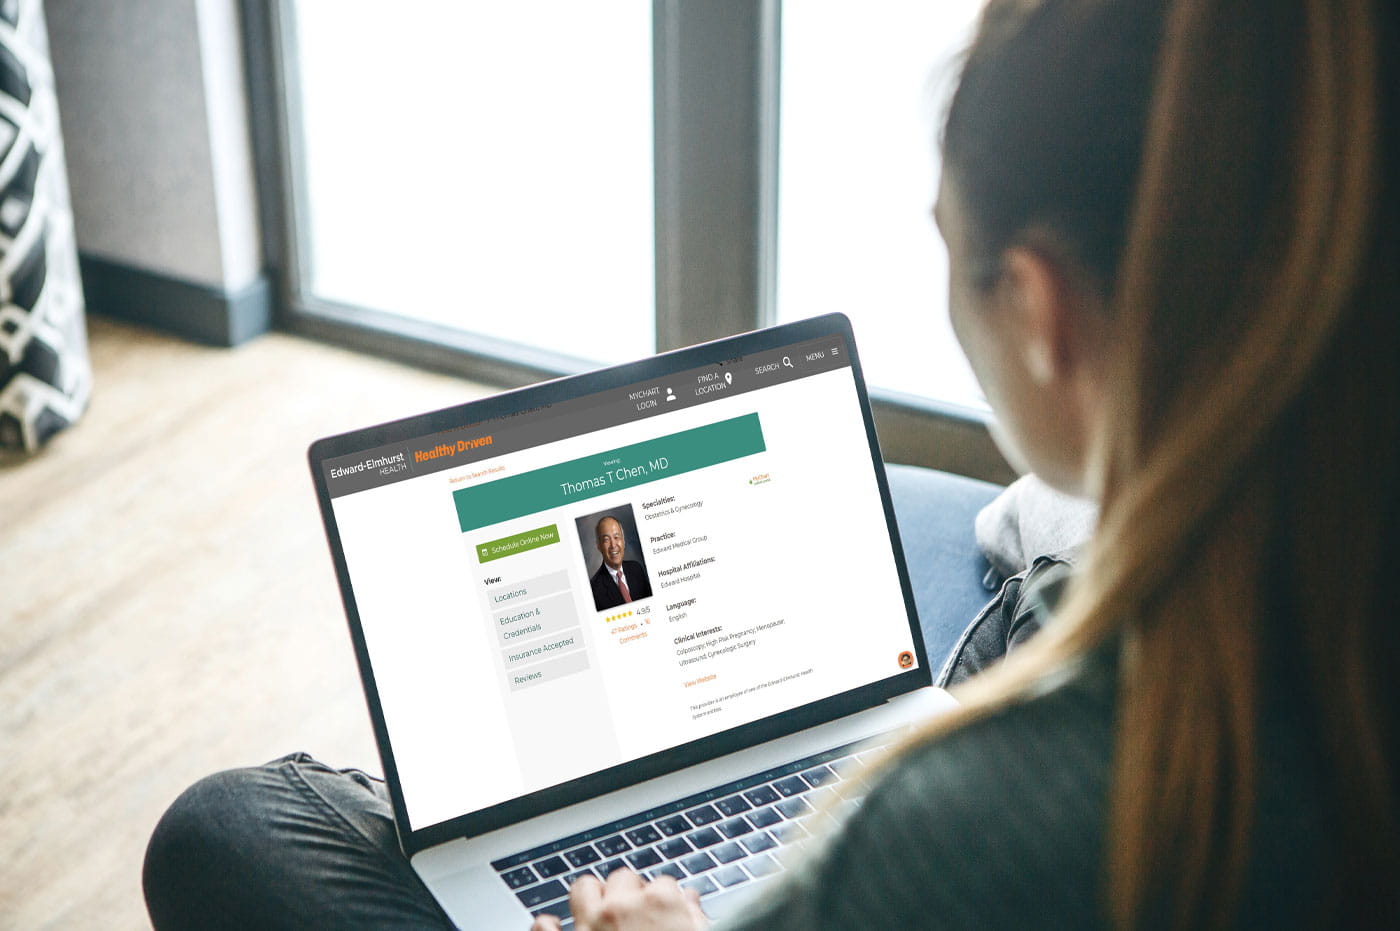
column 616, row 617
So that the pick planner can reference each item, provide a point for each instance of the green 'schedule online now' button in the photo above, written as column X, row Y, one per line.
column 612, row 470
column 517, row 543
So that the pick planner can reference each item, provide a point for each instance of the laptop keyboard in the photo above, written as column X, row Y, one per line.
column 741, row 832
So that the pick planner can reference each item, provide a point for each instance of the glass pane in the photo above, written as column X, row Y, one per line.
column 484, row 165
column 857, row 176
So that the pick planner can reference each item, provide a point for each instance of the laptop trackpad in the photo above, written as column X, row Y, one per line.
column 717, row 906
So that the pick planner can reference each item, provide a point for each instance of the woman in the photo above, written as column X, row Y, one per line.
column 1173, row 234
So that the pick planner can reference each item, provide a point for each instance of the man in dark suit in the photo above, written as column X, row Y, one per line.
column 617, row 581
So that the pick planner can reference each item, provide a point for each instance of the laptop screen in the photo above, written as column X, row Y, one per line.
column 549, row 593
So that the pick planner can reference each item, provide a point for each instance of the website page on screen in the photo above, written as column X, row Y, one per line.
column 547, row 595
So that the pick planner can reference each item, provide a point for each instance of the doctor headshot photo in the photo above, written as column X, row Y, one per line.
column 618, row 580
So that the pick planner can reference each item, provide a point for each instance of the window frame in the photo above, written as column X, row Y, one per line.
column 716, row 74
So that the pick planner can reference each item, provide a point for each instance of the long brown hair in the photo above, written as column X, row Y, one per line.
column 1226, row 171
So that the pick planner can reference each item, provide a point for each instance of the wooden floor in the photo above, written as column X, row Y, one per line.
column 167, row 604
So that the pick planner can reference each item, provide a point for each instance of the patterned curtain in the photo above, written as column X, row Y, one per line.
column 44, row 372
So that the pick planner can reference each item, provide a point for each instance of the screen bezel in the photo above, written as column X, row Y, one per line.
column 664, row 761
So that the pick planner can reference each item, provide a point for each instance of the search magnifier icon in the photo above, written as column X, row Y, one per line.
column 787, row 362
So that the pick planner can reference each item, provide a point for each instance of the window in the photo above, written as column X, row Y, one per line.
column 482, row 166
column 513, row 191
column 858, row 172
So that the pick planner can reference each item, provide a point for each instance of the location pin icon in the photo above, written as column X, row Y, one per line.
column 728, row 378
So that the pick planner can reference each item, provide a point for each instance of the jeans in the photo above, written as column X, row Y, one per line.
column 291, row 843
column 296, row 843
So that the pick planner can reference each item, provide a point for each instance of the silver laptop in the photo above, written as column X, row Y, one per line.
column 655, row 616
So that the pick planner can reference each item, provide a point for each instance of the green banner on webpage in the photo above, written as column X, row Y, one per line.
column 612, row 470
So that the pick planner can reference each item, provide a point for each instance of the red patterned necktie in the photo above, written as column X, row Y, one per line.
column 622, row 584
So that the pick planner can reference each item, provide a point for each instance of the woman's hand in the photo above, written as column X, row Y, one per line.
column 626, row 903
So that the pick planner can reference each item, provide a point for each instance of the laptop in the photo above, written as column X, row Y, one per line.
column 654, row 616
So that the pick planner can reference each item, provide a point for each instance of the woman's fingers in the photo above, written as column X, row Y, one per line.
column 692, row 899
column 586, row 898
column 627, row 902
column 624, row 879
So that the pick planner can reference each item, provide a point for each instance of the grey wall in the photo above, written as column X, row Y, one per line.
column 153, row 108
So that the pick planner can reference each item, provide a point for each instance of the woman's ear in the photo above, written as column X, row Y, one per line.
column 1045, row 307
